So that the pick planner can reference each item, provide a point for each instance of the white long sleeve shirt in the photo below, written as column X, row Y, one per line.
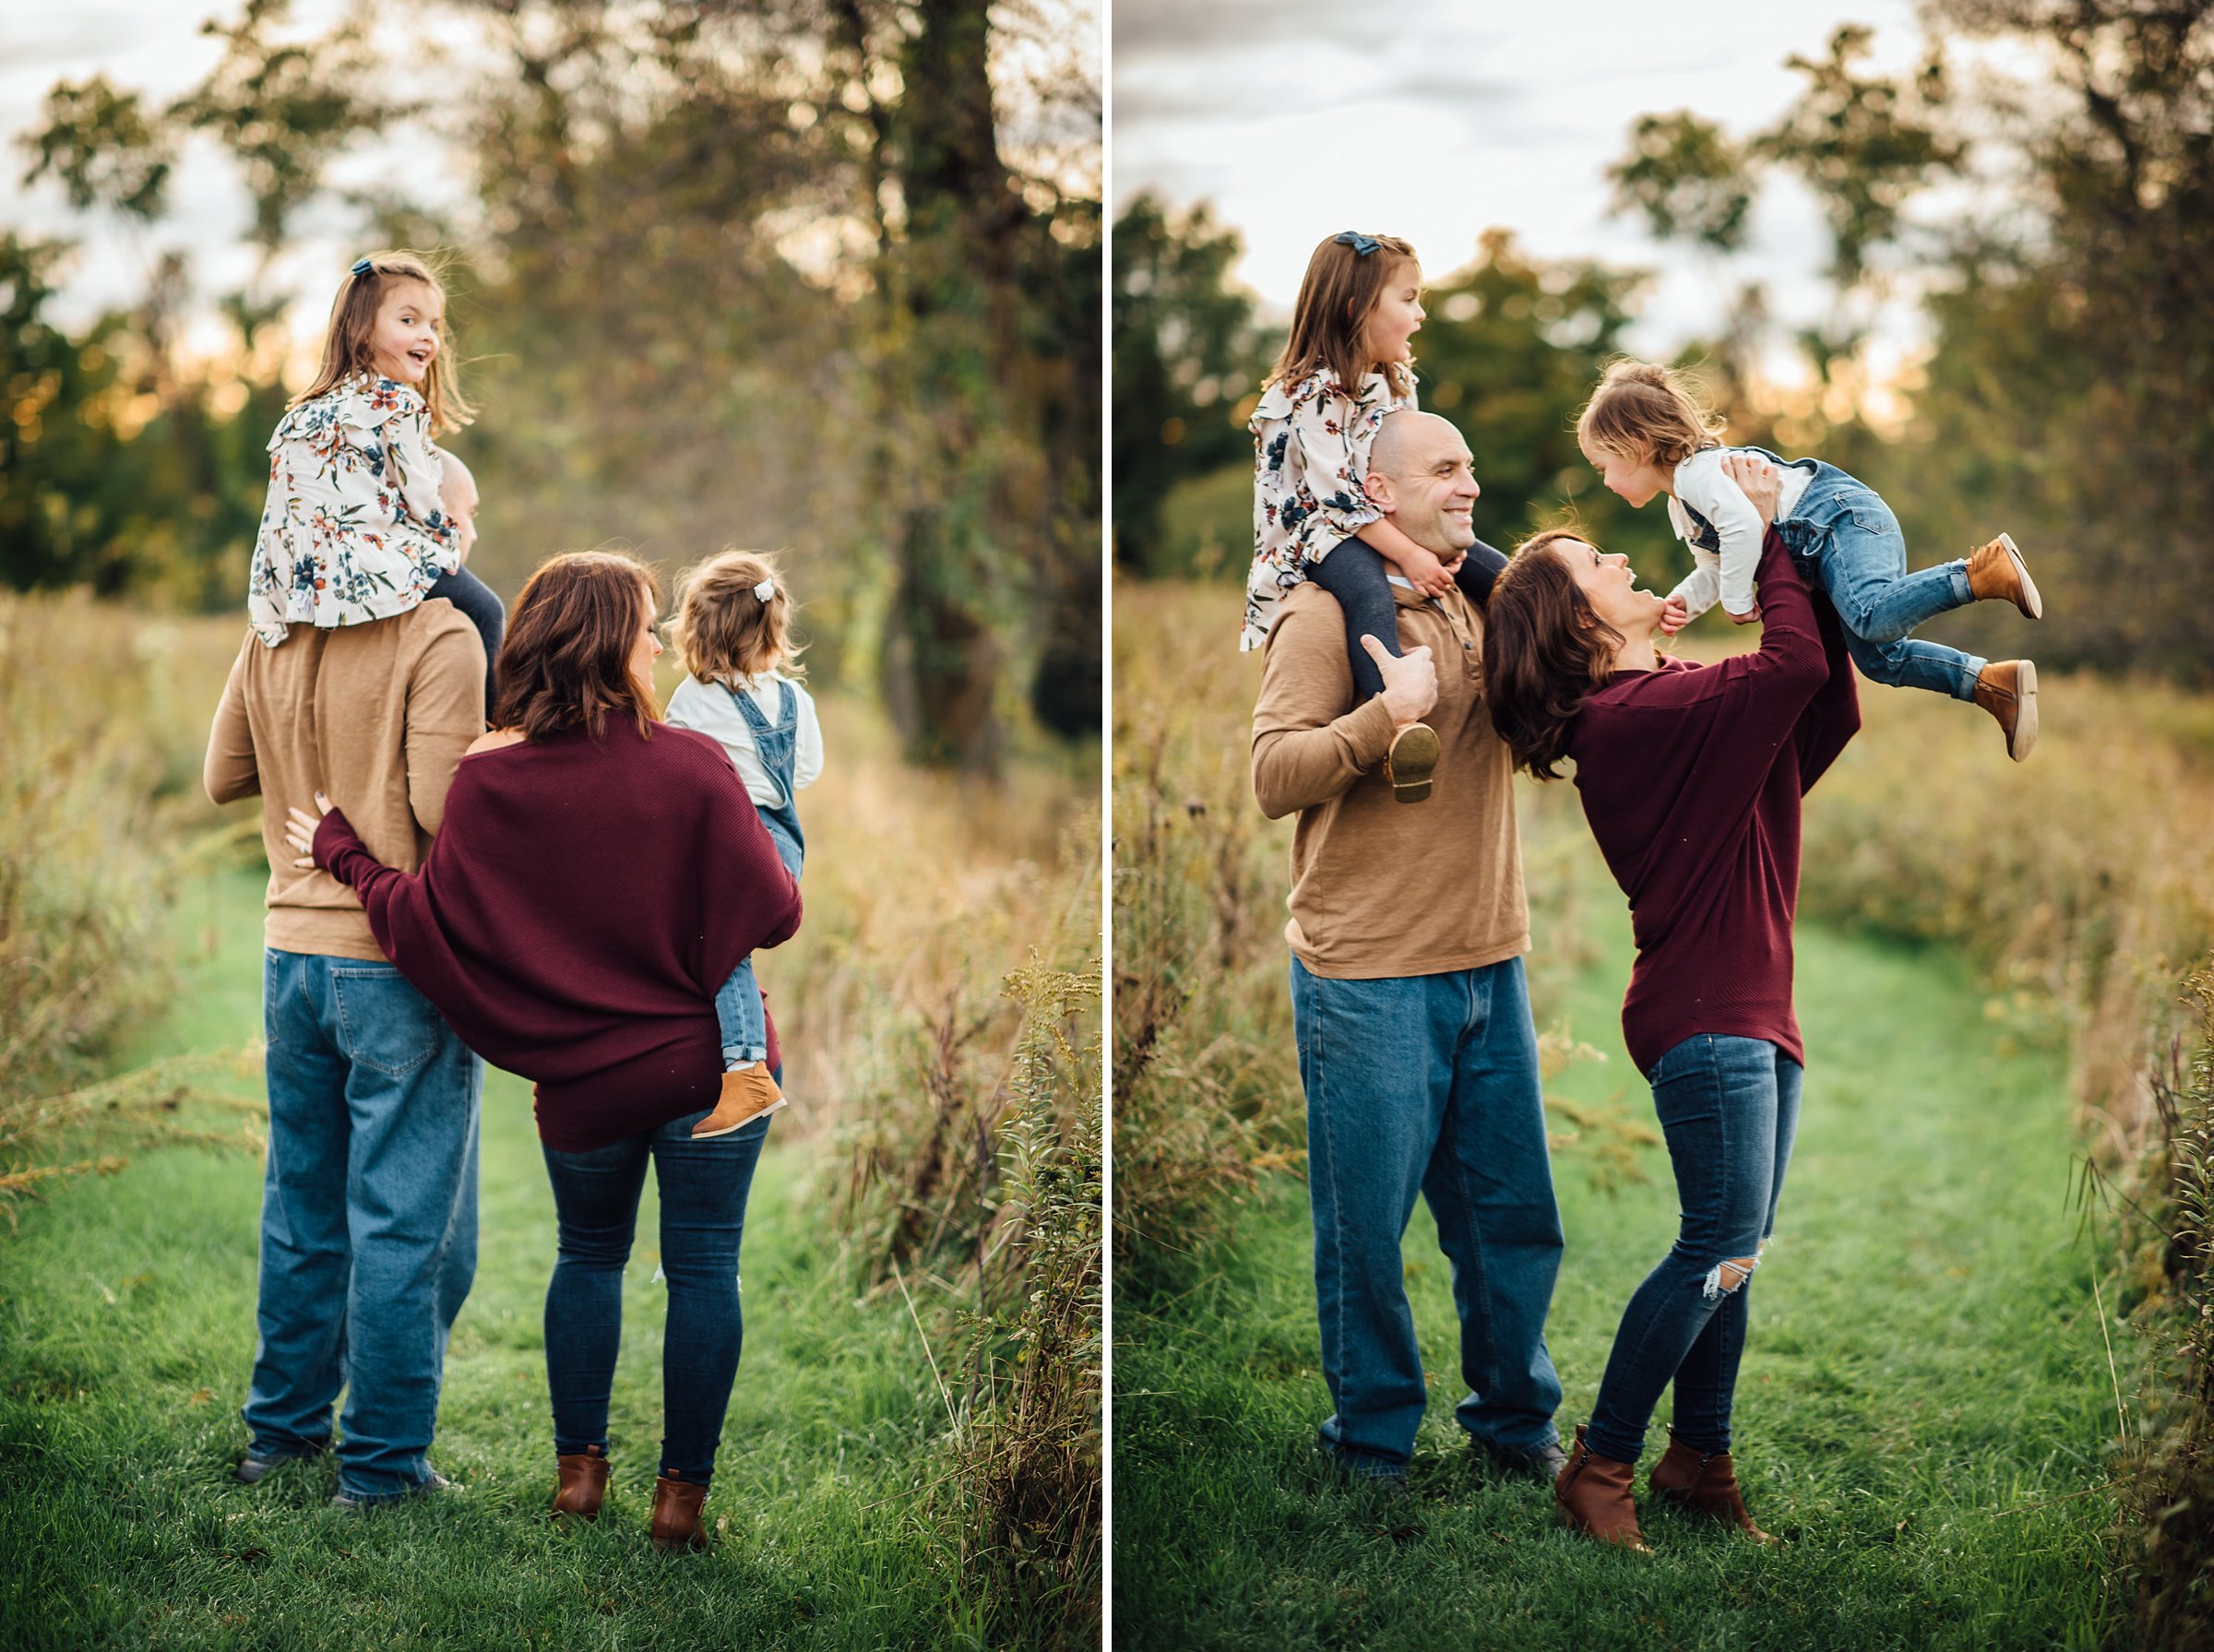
column 707, row 707
column 1712, row 515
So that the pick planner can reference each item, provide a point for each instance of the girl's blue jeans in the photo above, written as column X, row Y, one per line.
column 1730, row 1109
column 744, row 1023
column 1847, row 536
column 704, row 1186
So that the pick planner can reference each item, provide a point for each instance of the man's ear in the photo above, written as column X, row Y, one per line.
column 1378, row 487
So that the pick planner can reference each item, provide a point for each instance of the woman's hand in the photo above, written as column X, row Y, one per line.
column 1757, row 480
column 300, row 829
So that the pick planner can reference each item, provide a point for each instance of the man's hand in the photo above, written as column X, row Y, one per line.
column 1421, row 569
column 1674, row 616
column 1757, row 479
column 1410, row 682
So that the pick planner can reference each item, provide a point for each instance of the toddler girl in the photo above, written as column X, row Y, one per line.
column 733, row 631
column 355, row 527
column 1646, row 433
column 1344, row 368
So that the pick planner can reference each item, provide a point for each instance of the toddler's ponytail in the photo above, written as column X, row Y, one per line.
column 1643, row 410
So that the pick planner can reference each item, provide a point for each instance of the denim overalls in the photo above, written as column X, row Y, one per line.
column 1845, row 538
column 738, row 1011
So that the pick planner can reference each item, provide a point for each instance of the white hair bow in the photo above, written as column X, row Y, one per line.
column 766, row 589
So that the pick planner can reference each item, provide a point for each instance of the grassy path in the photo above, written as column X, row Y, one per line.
column 126, row 1331
column 1921, row 1414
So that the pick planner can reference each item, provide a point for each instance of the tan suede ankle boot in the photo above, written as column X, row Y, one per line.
column 2008, row 689
column 747, row 1093
column 1997, row 573
column 1593, row 1495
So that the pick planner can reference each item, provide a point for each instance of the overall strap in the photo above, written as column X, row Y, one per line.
column 754, row 719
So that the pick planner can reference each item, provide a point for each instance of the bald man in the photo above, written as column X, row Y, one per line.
column 1416, row 1047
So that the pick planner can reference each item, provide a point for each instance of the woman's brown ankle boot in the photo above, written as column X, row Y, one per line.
column 583, row 1483
column 1702, row 1483
column 1593, row 1495
column 676, row 1504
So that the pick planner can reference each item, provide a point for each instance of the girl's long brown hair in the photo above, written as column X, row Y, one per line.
column 1336, row 298
column 1545, row 649
column 567, row 660
column 353, row 319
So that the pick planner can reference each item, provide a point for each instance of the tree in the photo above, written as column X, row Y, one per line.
column 1188, row 362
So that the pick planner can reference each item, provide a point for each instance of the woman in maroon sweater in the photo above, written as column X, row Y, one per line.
column 1691, row 778
column 598, row 875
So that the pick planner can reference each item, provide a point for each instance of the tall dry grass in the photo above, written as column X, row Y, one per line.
column 103, row 716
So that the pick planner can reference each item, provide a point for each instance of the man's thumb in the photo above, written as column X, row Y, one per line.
column 1375, row 648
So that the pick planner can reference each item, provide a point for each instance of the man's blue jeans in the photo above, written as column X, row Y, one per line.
column 368, row 1216
column 704, row 1186
column 1428, row 1084
column 1730, row 1109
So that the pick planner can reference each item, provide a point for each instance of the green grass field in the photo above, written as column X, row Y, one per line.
column 1924, row 1415
column 127, row 1305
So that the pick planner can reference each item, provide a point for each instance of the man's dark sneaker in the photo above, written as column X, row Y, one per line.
column 1540, row 1463
column 252, row 1468
column 348, row 1504
column 1366, row 1473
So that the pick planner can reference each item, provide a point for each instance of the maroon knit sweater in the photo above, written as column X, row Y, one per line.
column 1691, row 778
column 580, row 908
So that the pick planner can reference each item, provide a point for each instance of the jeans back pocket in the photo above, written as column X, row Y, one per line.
column 383, row 1024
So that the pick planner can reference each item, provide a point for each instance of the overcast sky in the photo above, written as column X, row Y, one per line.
column 1433, row 119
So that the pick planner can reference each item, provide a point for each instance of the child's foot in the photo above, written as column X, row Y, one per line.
column 1411, row 761
column 748, row 1092
column 2008, row 691
column 1998, row 571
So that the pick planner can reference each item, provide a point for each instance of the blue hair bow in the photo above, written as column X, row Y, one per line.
column 362, row 267
column 1362, row 244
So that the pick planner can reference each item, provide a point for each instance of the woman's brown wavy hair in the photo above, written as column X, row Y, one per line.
column 1545, row 649
column 567, row 660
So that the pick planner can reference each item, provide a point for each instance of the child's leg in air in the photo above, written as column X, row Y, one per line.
column 1359, row 578
column 748, row 1088
column 1355, row 574
column 1864, row 570
column 480, row 606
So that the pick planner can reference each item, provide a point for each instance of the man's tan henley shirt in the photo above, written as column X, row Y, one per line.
column 1381, row 889
column 376, row 717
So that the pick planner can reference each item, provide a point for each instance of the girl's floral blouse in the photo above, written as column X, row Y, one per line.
column 1311, row 443
column 354, row 529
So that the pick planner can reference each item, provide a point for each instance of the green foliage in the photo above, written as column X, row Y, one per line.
column 1687, row 178
column 1188, row 362
column 103, row 146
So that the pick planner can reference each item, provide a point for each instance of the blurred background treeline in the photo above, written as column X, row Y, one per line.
column 2058, row 223
column 816, row 274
